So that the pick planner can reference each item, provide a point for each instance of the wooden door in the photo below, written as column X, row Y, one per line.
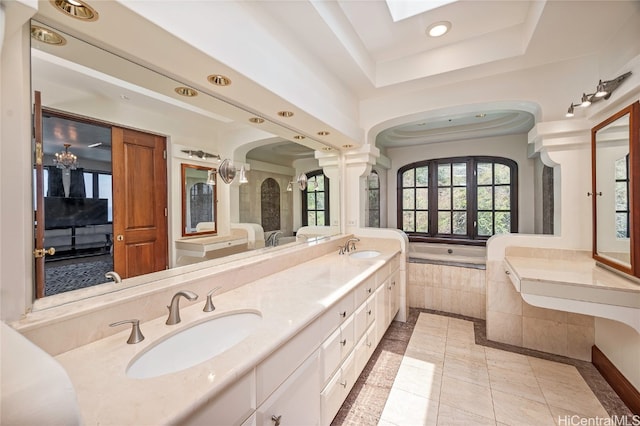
column 139, row 202
column 38, row 252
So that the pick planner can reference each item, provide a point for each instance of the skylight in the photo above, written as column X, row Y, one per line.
column 402, row 9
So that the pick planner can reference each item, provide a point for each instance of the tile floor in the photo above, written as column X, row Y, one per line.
column 431, row 371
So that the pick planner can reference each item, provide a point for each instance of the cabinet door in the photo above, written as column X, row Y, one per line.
column 296, row 402
column 382, row 311
column 364, row 349
column 394, row 295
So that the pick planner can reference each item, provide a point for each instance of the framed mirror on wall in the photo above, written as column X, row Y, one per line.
column 615, row 147
column 198, row 200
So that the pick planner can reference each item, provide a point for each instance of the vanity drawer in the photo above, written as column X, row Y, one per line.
column 364, row 349
column 232, row 407
column 336, row 348
column 364, row 316
column 509, row 272
column 338, row 313
column 364, row 290
column 337, row 390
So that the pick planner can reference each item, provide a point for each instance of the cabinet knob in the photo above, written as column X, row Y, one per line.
column 369, row 312
column 276, row 420
column 507, row 272
column 342, row 314
column 343, row 383
column 343, row 342
column 369, row 290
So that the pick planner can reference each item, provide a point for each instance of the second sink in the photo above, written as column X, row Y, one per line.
column 365, row 254
column 194, row 345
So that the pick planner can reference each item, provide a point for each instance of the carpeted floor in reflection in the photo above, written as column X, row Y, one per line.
column 60, row 278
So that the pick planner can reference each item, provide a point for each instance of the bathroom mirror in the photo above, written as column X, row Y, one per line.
column 84, row 80
column 198, row 200
column 615, row 181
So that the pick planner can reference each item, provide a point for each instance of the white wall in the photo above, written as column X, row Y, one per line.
column 513, row 147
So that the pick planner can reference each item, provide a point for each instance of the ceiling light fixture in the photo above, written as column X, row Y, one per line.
column 438, row 29
column 285, row 114
column 243, row 176
column 47, row 36
column 66, row 160
column 347, row 146
column 298, row 137
column 76, row 9
column 186, row 91
column 219, row 80
column 604, row 89
column 323, row 133
column 256, row 120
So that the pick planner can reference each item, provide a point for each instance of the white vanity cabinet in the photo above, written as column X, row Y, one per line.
column 296, row 401
column 337, row 390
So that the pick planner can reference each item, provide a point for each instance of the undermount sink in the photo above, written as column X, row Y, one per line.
column 365, row 254
column 194, row 345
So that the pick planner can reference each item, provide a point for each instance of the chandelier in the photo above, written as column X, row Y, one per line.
column 65, row 159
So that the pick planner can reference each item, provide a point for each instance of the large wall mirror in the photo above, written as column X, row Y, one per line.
column 198, row 200
column 78, row 79
column 616, row 185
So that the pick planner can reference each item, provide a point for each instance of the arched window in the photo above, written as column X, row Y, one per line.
column 270, row 205
column 462, row 198
column 315, row 200
column 373, row 195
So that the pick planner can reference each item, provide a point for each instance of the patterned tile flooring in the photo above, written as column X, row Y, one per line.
column 439, row 369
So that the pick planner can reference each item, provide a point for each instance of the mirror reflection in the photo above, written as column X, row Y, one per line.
column 198, row 200
column 86, row 83
column 612, row 191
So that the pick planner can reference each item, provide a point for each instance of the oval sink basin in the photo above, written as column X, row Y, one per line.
column 365, row 254
column 194, row 345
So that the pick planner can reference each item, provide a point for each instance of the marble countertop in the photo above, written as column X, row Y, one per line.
column 287, row 301
column 579, row 271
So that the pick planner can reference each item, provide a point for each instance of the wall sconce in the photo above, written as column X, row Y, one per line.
column 604, row 89
column 243, row 176
column 211, row 177
column 200, row 154
column 227, row 171
column 302, row 183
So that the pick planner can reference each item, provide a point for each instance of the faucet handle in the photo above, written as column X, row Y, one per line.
column 340, row 249
column 208, row 306
column 136, row 335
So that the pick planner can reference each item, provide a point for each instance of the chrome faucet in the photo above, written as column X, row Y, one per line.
column 136, row 335
column 349, row 245
column 113, row 275
column 174, row 308
column 272, row 240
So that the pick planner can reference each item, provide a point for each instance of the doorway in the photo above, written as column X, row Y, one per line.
column 100, row 200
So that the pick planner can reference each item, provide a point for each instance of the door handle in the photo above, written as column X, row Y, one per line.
column 120, row 237
column 38, row 253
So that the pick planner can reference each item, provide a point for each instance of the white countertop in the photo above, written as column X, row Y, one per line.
column 288, row 301
column 576, row 284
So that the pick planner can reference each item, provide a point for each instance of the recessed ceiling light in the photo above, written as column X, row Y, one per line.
column 76, row 9
column 439, row 29
column 481, row 115
column 327, row 148
column 256, row 120
column 125, row 98
column 298, row 137
column 47, row 36
column 285, row 114
column 219, row 80
column 186, row 91
column 323, row 133
column 347, row 146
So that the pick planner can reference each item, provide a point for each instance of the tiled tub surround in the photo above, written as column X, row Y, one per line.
column 288, row 300
column 446, row 288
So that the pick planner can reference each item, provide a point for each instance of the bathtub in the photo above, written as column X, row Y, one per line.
column 448, row 254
